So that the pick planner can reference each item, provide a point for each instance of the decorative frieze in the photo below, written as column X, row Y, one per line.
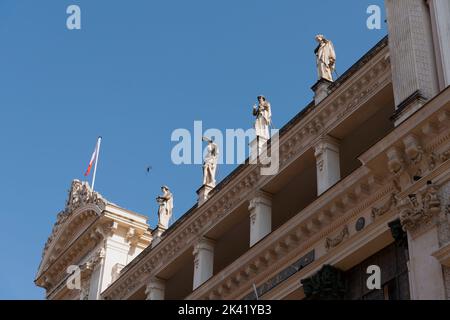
column 386, row 207
column 282, row 276
column 334, row 242
column 298, row 236
column 396, row 163
column 232, row 192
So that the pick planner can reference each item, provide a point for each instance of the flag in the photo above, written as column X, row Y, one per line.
column 93, row 158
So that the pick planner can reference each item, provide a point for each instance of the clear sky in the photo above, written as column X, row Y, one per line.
column 136, row 71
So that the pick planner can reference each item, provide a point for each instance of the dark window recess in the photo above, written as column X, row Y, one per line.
column 394, row 276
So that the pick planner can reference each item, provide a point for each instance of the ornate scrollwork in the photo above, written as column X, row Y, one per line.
column 413, row 149
column 415, row 211
column 334, row 242
column 80, row 194
column 396, row 162
column 391, row 203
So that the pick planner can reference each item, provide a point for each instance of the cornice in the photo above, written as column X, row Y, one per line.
column 416, row 151
column 64, row 237
column 443, row 255
column 73, row 253
column 301, row 136
column 81, row 199
column 300, row 233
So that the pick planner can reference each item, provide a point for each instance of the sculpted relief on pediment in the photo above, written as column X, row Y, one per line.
column 79, row 196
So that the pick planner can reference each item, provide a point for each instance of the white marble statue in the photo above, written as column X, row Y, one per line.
column 165, row 210
column 263, row 115
column 326, row 58
column 210, row 163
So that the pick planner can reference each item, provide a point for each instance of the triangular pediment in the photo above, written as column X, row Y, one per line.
column 83, row 206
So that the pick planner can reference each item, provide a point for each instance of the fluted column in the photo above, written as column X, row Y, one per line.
column 440, row 23
column 203, row 261
column 412, row 56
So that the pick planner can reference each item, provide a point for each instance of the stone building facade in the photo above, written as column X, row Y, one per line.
column 364, row 181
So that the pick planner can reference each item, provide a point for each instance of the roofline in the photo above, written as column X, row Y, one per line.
column 296, row 119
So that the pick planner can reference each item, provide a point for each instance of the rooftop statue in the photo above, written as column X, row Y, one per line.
column 210, row 163
column 263, row 115
column 326, row 58
column 165, row 210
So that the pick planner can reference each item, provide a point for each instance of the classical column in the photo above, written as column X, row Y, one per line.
column 203, row 261
column 155, row 289
column 260, row 217
column 412, row 56
column 327, row 163
column 440, row 23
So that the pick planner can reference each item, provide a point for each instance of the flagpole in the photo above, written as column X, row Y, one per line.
column 96, row 161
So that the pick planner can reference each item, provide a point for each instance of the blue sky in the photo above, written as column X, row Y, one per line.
column 137, row 70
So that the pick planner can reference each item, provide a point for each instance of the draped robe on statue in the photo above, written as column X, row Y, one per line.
column 165, row 209
column 263, row 119
column 210, row 165
column 326, row 58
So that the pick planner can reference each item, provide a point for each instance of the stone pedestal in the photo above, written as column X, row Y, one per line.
column 320, row 90
column 256, row 147
column 203, row 193
column 260, row 217
column 440, row 22
column 155, row 289
column 327, row 163
column 157, row 236
column 203, row 261
column 412, row 56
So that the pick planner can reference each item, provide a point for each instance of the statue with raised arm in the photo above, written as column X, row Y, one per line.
column 210, row 163
column 263, row 115
column 165, row 210
column 326, row 58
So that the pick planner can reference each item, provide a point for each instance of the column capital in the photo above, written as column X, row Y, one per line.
column 260, row 197
column 155, row 283
column 155, row 288
column 326, row 142
column 417, row 211
column 203, row 261
column 204, row 243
